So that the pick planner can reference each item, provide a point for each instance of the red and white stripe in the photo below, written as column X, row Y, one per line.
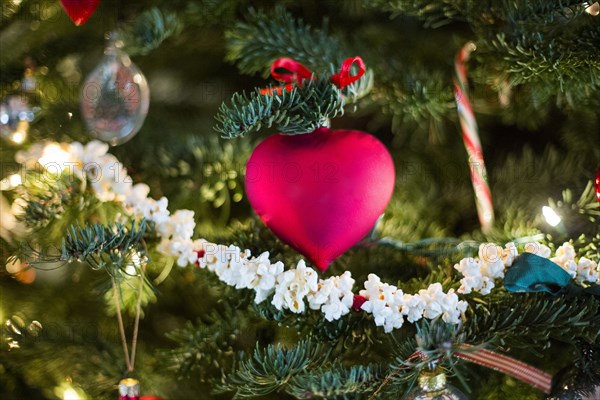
column 515, row 368
column 483, row 195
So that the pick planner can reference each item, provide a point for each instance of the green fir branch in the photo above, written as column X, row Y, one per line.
column 523, row 320
column 434, row 14
column 149, row 30
column 588, row 247
column 204, row 347
column 48, row 199
column 300, row 110
column 335, row 382
column 213, row 13
column 255, row 44
column 550, row 61
column 103, row 246
column 419, row 101
column 273, row 368
column 53, row 203
column 586, row 204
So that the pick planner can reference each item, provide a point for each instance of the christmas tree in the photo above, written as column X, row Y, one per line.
column 191, row 205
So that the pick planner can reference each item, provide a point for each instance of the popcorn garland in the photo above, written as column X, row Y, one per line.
column 480, row 273
column 294, row 288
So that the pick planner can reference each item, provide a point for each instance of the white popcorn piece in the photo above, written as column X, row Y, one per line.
column 180, row 225
column 413, row 307
column 509, row 254
column 90, row 153
column 439, row 303
column 571, row 267
column 138, row 194
column 385, row 302
column 184, row 250
column 565, row 258
column 333, row 296
column 293, row 286
column 260, row 275
column 587, row 271
column 538, row 249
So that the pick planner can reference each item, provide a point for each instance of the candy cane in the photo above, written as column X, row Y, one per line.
column 483, row 195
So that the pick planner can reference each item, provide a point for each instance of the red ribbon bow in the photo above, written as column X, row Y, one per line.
column 343, row 78
column 292, row 72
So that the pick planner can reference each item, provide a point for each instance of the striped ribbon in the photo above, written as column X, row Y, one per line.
column 489, row 359
column 483, row 195
column 515, row 368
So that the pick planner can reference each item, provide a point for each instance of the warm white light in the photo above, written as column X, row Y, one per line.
column 66, row 390
column 54, row 157
column 593, row 9
column 18, row 137
column 10, row 182
column 15, row 180
column 71, row 394
column 137, row 78
column 552, row 218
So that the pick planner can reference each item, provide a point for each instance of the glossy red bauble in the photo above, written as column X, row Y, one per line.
column 320, row 192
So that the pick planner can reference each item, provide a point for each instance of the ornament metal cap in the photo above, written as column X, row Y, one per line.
column 129, row 389
column 431, row 381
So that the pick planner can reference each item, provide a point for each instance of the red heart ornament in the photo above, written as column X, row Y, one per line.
column 80, row 10
column 320, row 192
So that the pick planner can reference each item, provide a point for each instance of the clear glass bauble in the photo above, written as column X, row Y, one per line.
column 115, row 97
column 581, row 380
column 432, row 385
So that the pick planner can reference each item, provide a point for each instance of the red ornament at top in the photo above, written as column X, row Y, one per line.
column 80, row 10
column 320, row 192
column 598, row 185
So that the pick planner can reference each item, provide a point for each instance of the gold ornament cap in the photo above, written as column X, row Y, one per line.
column 432, row 381
column 129, row 387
